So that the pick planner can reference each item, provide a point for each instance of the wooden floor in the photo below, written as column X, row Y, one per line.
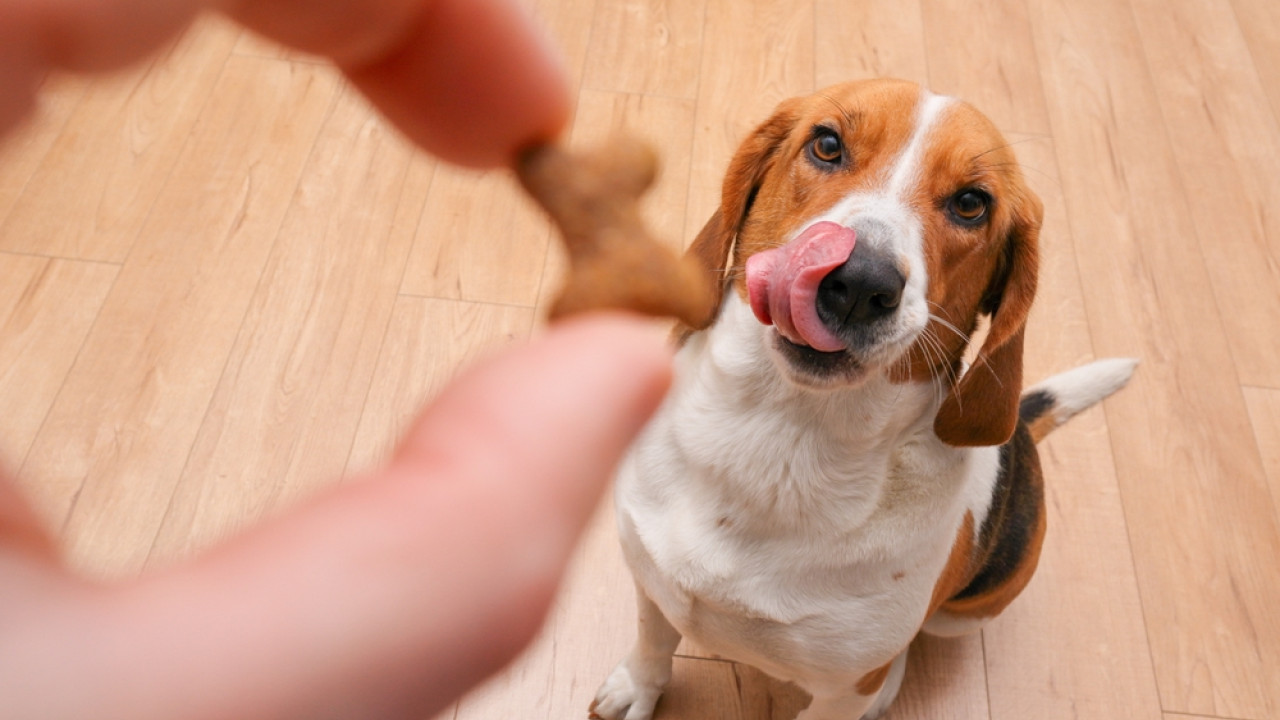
column 224, row 283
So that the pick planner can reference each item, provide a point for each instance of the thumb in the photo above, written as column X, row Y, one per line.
column 395, row 593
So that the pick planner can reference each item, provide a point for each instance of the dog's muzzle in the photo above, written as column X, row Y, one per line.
column 784, row 284
column 865, row 288
column 823, row 287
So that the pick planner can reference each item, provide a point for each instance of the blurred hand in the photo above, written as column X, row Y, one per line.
column 391, row 595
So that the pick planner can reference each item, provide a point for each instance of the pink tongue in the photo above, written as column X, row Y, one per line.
column 782, row 283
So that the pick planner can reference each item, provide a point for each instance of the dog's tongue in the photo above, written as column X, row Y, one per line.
column 782, row 283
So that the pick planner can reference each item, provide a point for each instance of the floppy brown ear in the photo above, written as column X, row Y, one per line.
column 983, row 407
column 713, row 247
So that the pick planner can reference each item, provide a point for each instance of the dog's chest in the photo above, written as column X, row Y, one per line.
column 780, row 535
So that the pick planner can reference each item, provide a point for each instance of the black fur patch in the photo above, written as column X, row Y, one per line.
column 1010, row 526
column 1034, row 405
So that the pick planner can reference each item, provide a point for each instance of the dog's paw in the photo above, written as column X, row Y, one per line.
column 621, row 697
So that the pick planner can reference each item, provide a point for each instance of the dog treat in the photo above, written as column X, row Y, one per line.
column 614, row 262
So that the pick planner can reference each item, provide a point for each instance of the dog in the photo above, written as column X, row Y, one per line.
column 829, row 477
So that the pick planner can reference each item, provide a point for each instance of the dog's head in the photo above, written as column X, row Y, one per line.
column 868, row 227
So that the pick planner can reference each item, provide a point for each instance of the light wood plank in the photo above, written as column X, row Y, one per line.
column 1185, row 457
column 116, row 440
column 568, row 28
column 23, row 150
column 481, row 240
column 877, row 38
column 705, row 690
column 666, row 124
column 654, row 47
column 984, row 53
column 1259, row 20
column 110, row 163
column 426, row 342
column 756, row 55
column 1264, row 413
column 1228, row 144
column 286, row 409
column 46, row 310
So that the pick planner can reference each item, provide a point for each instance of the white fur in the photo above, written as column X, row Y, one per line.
column 797, row 528
column 799, row 531
column 1081, row 388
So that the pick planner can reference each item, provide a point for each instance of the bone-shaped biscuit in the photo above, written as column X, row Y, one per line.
column 614, row 262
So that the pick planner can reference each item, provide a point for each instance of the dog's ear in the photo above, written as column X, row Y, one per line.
column 983, row 407
column 713, row 248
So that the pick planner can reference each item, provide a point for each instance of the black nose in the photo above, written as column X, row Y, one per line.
column 867, row 287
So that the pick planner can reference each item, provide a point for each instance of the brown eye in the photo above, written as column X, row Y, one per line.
column 969, row 207
column 825, row 148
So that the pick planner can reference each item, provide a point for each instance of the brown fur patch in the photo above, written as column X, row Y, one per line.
column 992, row 603
column 772, row 187
column 1013, row 541
column 959, row 568
column 1041, row 426
column 1008, row 549
column 871, row 683
column 795, row 190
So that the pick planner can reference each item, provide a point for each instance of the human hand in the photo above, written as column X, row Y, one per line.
column 391, row 595
column 471, row 81
column 386, row 597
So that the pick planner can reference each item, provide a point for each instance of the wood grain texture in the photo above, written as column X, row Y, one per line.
column 24, row 150
column 109, row 165
column 1259, row 20
column 568, row 26
column 480, row 240
column 115, row 443
column 46, row 309
column 945, row 679
column 1264, row 413
column 1199, row 465
column 983, row 52
column 879, row 38
column 426, row 342
column 1223, row 127
column 285, row 411
column 654, row 47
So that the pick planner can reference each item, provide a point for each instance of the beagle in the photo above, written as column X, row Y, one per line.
column 828, row 477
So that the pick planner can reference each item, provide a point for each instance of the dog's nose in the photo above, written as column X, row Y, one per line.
column 867, row 287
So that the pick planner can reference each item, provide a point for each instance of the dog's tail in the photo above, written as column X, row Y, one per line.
column 1052, row 402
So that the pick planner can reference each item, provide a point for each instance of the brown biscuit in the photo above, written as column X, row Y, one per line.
column 613, row 260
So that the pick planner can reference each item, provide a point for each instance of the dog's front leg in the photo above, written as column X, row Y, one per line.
column 632, row 689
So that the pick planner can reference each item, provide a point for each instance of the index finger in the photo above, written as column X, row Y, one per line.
column 472, row 81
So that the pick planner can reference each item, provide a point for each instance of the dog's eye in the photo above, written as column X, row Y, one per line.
column 825, row 148
column 969, row 207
